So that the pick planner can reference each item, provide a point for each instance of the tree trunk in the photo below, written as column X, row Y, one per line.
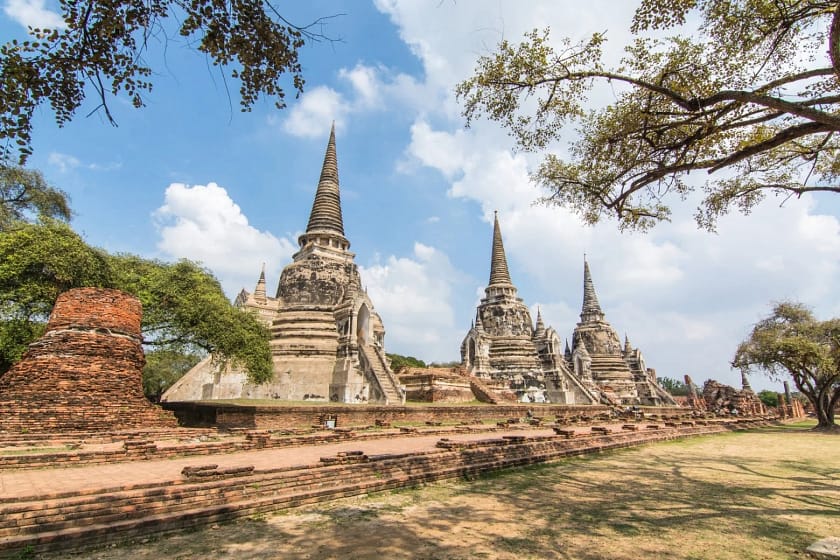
column 834, row 41
column 824, row 407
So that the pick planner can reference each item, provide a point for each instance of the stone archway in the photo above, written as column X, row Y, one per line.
column 471, row 353
column 363, row 325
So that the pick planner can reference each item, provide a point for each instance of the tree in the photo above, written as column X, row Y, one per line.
column 37, row 263
column 400, row 363
column 163, row 368
column 769, row 398
column 102, row 46
column 24, row 193
column 673, row 386
column 791, row 341
column 184, row 307
column 755, row 93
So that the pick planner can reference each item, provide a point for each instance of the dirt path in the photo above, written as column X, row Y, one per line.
column 758, row 495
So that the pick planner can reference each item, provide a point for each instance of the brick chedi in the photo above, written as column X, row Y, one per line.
column 598, row 359
column 84, row 373
column 327, row 341
column 505, row 347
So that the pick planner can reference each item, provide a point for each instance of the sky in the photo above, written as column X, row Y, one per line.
column 190, row 176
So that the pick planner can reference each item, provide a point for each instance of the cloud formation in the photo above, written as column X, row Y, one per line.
column 33, row 13
column 413, row 295
column 202, row 223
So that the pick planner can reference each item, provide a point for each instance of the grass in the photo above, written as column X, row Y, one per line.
column 762, row 494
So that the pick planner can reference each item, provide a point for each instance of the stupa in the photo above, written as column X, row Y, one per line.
column 327, row 341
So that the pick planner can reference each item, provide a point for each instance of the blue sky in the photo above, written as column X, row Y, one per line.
column 191, row 176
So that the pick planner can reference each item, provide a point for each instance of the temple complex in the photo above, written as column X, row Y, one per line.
column 327, row 341
column 504, row 347
column 511, row 353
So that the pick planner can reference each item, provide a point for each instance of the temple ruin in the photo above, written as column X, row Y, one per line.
column 85, row 372
column 327, row 341
column 722, row 398
column 511, row 353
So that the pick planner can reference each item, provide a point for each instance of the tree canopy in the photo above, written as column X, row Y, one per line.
column 791, row 341
column 102, row 46
column 184, row 307
column 751, row 98
column 25, row 194
column 400, row 363
column 674, row 386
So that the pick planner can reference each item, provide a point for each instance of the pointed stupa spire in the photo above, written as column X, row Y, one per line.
column 499, row 274
column 568, row 351
column 627, row 347
column 479, row 326
column 539, row 331
column 326, row 209
column 259, row 291
column 591, row 310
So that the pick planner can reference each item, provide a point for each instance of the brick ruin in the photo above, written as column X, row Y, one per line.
column 726, row 399
column 84, row 373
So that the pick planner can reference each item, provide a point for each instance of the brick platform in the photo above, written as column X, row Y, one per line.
column 166, row 496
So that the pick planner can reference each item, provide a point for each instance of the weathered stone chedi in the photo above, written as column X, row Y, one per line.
column 84, row 373
column 327, row 342
column 505, row 347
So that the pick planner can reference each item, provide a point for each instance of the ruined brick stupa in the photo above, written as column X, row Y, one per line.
column 84, row 373
column 327, row 342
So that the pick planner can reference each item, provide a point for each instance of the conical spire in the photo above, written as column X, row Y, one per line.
column 259, row 291
column 539, row 331
column 627, row 347
column 591, row 310
column 568, row 352
column 326, row 210
column 479, row 326
column 499, row 274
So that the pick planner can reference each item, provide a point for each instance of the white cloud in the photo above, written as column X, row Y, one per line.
column 202, row 223
column 686, row 297
column 64, row 162
column 365, row 84
column 413, row 295
column 315, row 112
column 371, row 89
column 33, row 13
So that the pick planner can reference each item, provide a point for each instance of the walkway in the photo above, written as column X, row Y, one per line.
column 50, row 481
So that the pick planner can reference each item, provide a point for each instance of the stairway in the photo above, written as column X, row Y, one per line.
column 375, row 359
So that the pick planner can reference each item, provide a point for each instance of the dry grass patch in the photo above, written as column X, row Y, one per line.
column 765, row 494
